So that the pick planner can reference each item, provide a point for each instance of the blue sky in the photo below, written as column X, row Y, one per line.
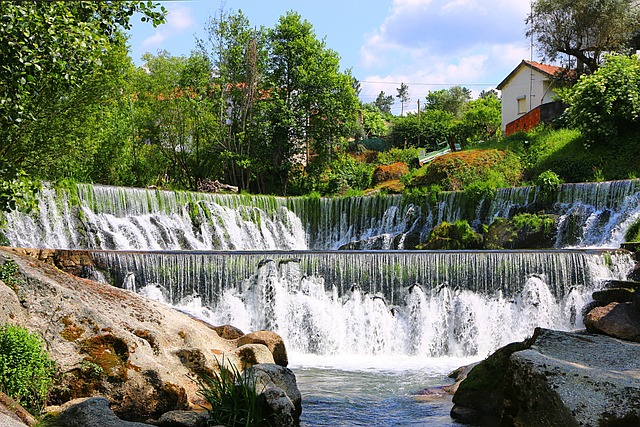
column 428, row 44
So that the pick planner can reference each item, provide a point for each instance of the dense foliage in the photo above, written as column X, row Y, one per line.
column 606, row 104
column 583, row 29
column 26, row 371
column 269, row 109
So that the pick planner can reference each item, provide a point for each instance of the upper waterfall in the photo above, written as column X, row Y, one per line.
column 104, row 217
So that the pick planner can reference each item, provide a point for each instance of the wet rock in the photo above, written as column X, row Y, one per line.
column 525, row 231
column 183, row 419
column 554, row 379
column 459, row 375
column 607, row 296
column 479, row 398
column 620, row 320
column 273, row 341
column 269, row 376
column 279, row 407
column 90, row 412
column 434, row 394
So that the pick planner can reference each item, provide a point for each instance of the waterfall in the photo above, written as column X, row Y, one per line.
column 597, row 214
column 376, row 302
column 104, row 217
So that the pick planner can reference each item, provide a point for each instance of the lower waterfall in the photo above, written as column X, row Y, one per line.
column 367, row 332
column 432, row 304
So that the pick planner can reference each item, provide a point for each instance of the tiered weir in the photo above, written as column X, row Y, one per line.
column 103, row 217
column 237, row 254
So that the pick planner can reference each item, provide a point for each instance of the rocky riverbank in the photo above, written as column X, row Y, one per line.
column 142, row 356
column 587, row 378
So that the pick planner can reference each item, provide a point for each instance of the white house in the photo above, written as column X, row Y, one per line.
column 527, row 87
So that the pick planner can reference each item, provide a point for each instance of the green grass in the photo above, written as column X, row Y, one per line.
column 233, row 398
column 567, row 153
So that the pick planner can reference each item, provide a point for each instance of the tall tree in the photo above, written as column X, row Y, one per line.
column 175, row 118
column 451, row 100
column 238, row 55
column 384, row 102
column 403, row 96
column 48, row 49
column 583, row 29
column 313, row 104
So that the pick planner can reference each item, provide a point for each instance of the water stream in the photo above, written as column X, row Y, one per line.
column 367, row 327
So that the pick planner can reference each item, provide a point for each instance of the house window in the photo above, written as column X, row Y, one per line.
column 522, row 105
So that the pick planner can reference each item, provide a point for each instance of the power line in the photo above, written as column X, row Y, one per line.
column 430, row 84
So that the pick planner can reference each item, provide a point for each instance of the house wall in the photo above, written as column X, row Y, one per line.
column 529, row 83
column 544, row 113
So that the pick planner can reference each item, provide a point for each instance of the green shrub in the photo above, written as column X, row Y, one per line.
column 458, row 235
column 533, row 222
column 394, row 155
column 457, row 171
column 9, row 274
column 233, row 398
column 18, row 191
column 606, row 103
column 26, row 371
column 633, row 232
column 548, row 183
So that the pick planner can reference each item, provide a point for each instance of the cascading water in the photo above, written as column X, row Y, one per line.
column 389, row 321
column 597, row 214
column 102, row 217
column 429, row 304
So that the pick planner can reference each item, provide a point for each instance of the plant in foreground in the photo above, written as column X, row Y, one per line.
column 233, row 398
column 26, row 371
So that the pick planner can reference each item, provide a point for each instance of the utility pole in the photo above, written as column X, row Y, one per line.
column 418, row 122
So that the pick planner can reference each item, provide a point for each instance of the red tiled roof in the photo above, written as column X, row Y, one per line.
column 549, row 70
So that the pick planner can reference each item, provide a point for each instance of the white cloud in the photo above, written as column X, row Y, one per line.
column 179, row 19
column 445, row 42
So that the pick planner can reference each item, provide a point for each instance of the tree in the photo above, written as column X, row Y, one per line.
column 312, row 105
column 606, row 104
column 239, row 57
column 434, row 128
column 175, row 121
column 49, row 51
column 373, row 122
column 481, row 119
column 384, row 102
column 403, row 96
column 583, row 29
column 451, row 100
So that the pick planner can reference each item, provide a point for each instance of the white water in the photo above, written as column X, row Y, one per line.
column 447, row 319
column 591, row 215
column 360, row 361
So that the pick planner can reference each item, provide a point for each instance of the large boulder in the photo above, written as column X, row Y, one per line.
column 140, row 354
column 523, row 231
column 556, row 379
column 620, row 320
column 277, row 386
column 273, row 341
column 90, row 412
